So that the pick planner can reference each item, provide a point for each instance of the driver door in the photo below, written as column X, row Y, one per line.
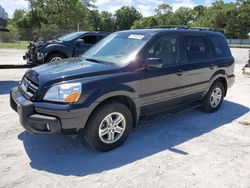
column 162, row 88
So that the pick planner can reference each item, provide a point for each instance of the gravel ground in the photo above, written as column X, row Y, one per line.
column 188, row 149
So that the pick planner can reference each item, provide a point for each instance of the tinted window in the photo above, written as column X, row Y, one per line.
column 100, row 37
column 220, row 46
column 70, row 36
column 166, row 49
column 196, row 47
column 91, row 39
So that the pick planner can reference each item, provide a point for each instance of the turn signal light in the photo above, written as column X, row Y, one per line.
column 73, row 97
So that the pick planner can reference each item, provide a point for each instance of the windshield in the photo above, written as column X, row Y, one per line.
column 117, row 48
column 70, row 36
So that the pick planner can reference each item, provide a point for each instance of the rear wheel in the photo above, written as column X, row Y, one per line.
column 55, row 57
column 108, row 127
column 214, row 98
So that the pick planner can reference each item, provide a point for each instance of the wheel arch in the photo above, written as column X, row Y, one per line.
column 122, row 97
column 221, row 77
column 55, row 52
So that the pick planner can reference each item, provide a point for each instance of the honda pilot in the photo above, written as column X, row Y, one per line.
column 129, row 74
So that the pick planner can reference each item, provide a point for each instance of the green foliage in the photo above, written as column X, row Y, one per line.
column 101, row 21
column 14, row 45
column 183, row 16
column 163, row 14
column 146, row 22
column 55, row 15
column 125, row 17
column 10, row 36
column 234, row 18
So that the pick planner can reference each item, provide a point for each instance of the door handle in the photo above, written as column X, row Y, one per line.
column 211, row 66
column 179, row 72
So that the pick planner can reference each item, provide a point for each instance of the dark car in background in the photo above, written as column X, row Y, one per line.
column 70, row 45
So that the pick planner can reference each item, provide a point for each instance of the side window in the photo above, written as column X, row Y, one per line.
column 220, row 46
column 196, row 48
column 100, row 37
column 90, row 39
column 166, row 49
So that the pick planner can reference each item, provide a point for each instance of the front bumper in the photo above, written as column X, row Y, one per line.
column 33, row 58
column 32, row 122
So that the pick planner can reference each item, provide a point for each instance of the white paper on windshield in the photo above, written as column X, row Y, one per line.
column 135, row 36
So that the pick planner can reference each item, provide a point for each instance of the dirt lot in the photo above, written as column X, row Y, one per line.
column 189, row 149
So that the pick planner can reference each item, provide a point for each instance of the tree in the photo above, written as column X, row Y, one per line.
column 182, row 16
column 163, row 9
column 243, row 18
column 94, row 20
column 103, row 21
column 199, row 11
column 67, row 14
column 107, row 22
column 54, row 15
column 17, row 15
column 125, row 17
column 163, row 14
column 146, row 22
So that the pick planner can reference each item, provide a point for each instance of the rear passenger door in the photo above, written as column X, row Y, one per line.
column 199, row 65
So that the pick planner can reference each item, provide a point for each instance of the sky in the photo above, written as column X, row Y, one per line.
column 146, row 7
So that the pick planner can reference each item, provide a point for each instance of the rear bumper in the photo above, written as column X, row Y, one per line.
column 230, row 81
column 32, row 122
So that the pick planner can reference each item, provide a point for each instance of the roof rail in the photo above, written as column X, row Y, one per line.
column 171, row 27
column 187, row 27
column 206, row 29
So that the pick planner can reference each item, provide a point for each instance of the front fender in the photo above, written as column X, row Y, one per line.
column 58, row 48
column 101, row 95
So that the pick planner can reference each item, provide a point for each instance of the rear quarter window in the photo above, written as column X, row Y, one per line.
column 220, row 47
column 196, row 48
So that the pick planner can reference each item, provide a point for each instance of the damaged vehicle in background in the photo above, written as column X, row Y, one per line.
column 70, row 45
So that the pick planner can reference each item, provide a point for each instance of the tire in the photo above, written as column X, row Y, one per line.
column 100, row 123
column 54, row 57
column 214, row 98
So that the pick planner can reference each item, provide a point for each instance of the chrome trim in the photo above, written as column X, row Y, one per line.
column 28, row 86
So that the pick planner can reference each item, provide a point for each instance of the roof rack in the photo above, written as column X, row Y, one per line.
column 176, row 27
column 206, row 29
column 170, row 27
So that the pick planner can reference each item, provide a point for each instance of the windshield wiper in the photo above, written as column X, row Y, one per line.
column 98, row 61
column 93, row 60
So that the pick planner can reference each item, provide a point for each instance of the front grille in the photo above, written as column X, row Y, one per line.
column 29, row 87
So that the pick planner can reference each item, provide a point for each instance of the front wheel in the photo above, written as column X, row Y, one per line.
column 214, row 98
column 55, row 57
column 108, row 127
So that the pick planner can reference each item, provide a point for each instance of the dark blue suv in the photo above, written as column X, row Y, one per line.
column 127, row 75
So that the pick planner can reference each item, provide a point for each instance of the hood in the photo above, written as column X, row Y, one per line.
column 39, row 44
column 68, row 69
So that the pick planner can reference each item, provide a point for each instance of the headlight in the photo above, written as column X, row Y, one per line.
column 68, row 93
column 40, row 55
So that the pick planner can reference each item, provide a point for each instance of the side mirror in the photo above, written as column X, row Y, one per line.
column 154, row 63
column 79, row 41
